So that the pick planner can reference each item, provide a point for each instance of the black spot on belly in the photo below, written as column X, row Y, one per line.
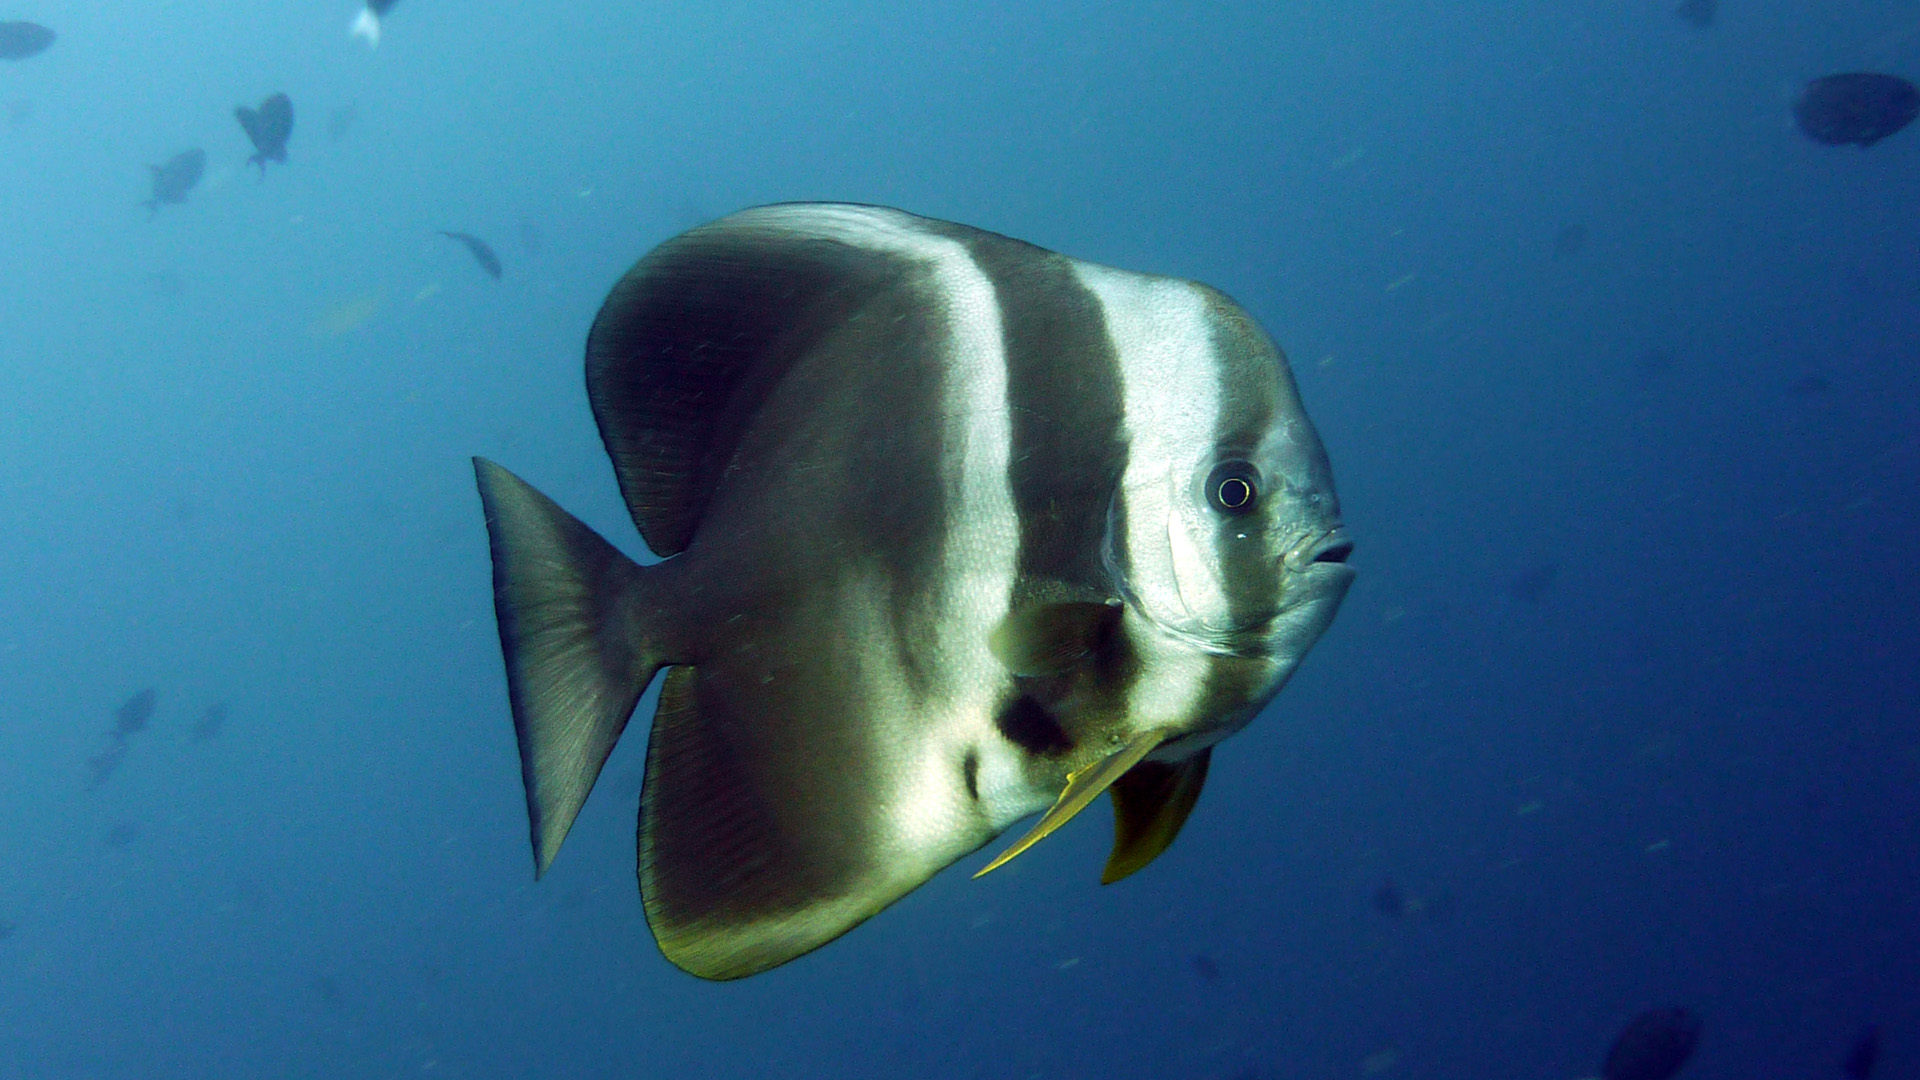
column 970, row 768
column 1027, row 724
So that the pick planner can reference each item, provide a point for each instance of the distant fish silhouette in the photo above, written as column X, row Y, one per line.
column 104, row 763
column 7, row 929
column 122, row 834
column 20, row 40
column 340, row 121
column 1698, row 14
column 1570, row 241
column 173, row 180
column 1858, row 1064
column 269, row 126
column 211, row 724
column 368, row 24
column 1807, row 386
column 1858, row 107
column 482, row 253
column 1532, row 583
column 1205, row 967
column 133, row 715
column 1653, row 1046
column 1388, row 900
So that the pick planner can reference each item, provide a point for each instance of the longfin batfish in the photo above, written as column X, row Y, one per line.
column 955, row 530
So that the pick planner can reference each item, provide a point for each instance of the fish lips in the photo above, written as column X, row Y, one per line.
column 1314, row 579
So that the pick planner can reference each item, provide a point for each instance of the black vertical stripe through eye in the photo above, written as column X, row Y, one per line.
column 1233, row 488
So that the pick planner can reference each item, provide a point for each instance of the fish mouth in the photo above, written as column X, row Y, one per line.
column 1332, row 547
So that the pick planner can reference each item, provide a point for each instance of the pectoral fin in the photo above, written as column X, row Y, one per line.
column 1082, row 788
column 1150, row 803
column 1049, row 639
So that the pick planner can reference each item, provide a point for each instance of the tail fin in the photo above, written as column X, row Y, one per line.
column 367, row 26
column 576, row 652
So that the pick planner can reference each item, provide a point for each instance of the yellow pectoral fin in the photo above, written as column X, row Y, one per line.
column 1082, row 788
column 1149, row 806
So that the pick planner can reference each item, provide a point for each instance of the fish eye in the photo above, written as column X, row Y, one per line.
column 1233, row 487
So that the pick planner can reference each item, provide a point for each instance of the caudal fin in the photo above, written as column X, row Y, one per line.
column 576, row 652
column 367, row 26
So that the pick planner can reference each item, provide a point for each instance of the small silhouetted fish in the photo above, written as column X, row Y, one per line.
column 19, row 111
column 1533, row 582
column 367, row 25
column 7, row 929
column 104, row 763
column 482, row 253
column 211, row 724
column 340, row 121
column 269, row 126
column 1858, row 1064
column 19, row 40
column 126, row 832
column 327, row 990
column 1653, row 1046
column 1654, row 362
column 1807, row 386
column 173, row 180
column 133, row 715
column 1697, row 13
column 1569, row 241
column 1204, row 967
column 1858, row 107
column 1388, row 900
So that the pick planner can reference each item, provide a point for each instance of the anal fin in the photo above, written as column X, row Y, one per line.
column 1150, row 803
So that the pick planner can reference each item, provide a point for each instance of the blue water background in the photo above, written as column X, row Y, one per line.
column 1624, row 701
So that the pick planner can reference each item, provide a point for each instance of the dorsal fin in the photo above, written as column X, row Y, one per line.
column 688, row 343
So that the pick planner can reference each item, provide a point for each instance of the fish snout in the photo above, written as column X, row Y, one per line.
column 1331, row 547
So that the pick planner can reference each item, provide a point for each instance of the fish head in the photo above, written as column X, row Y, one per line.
column 1230, row 545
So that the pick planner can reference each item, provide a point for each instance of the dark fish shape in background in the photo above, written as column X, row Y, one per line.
column 7, row 929
column 1698, row 14
column 1571, row 240
column 1861, row 1056
column 482, row 252
column 211, row 724
column 134, row 714
column 956, row 530
column 1532, row 583
column 269, row 126
column 1859, row 107
column 1653, row 1046
column 104, row 763
column 172, row 181
column 122, row 835
column 20, row 40
column 340, row 121
column 367, row 25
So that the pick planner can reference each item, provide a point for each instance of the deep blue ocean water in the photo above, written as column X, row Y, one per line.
column 1618, row 375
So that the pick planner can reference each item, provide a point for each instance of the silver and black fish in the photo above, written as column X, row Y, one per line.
column 481, row 251
column 269, row 126
column 955, row 530
column 1856, row 107
column 20, row 40
column 173, row 180
column 367, row 23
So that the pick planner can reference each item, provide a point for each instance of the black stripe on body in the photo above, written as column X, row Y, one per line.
column 1247, row 372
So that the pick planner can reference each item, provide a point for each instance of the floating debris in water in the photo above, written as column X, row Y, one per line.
column 269, row 127
column 1653, row 1046
column 173, row 180
column 481, row 251
column 1857, row 107
column 20, row 40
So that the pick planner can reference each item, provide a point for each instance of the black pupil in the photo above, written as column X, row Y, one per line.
column 1232, row 488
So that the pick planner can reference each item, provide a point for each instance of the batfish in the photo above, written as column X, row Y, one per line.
column 269, row 127
column 482, row 251
column 20, row 40
column 1859, row 107
column 954, row 529
column 1653, row 1046
column 367, row 24
column 173, row 180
